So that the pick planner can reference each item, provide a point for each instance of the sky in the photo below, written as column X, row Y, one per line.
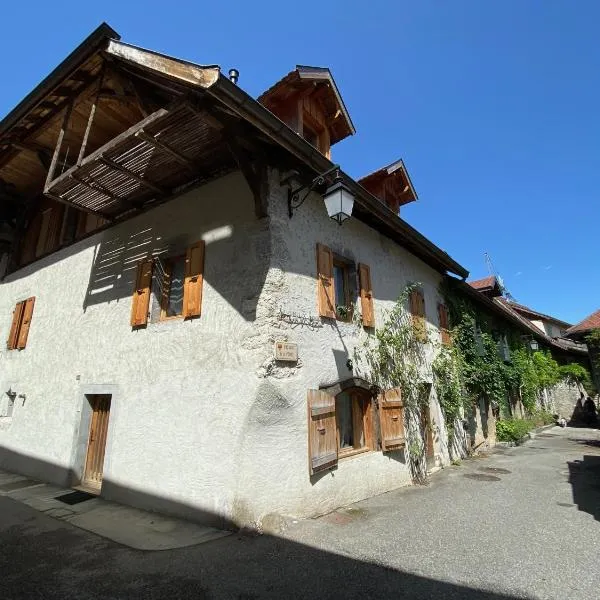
column 493, row 105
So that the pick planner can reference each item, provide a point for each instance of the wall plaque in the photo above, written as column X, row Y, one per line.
column 286, row 351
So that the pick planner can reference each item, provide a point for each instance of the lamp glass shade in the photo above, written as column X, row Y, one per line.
column 534, row 345
column 339, row 202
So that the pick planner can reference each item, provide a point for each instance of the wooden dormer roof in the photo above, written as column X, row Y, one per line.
column 391, row 185
column 300, row 82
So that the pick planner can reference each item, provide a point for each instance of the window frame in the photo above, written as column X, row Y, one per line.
column 166, row 288
column 346, row 265
column 357, row 396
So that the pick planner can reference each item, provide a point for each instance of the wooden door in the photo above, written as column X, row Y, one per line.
column 94, row 463
column 427, row 430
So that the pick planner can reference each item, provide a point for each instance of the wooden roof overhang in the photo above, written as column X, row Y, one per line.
column 391, row 184
column 119, row 130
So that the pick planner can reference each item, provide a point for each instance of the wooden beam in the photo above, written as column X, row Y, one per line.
column 163, row 147
column 205, row 115
column 255, row 172
column 61, row 136
column 141, row 180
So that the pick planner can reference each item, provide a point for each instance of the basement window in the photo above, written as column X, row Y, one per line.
column 173, row 284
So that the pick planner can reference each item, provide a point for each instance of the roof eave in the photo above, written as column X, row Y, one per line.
column 94, row 42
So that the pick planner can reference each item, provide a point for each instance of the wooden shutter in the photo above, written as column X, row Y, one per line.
column 54, row 227
column 366, row 295
column 141, row 294
column 391, row 420
column 326, row 293
column 417, row 309
column 13, row 336
column 322, row 432
column 25, row 322
column 194, row 276
column 443, row 322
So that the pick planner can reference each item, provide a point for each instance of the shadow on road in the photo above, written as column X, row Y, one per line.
column 584, row 477
column 41, row 557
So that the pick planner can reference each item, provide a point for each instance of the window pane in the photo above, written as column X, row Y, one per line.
column 175, row 300
column 343, row 410
column 339, row 285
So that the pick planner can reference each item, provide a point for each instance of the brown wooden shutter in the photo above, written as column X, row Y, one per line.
column 141, row 294
column 54, row 227
column 322, row 432
column 11, row 344
column 366, row 295
column 25, row 323
column 194, row 277
column 417, row 309
column 391, row 420
column 326, row 293
column 443, row 321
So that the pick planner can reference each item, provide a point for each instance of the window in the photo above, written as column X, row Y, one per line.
column 19, row 329
column 181, row 281
column 341, row 290
column 336, row 287
column 173, row 284
column 353, row 414
column 311, row 136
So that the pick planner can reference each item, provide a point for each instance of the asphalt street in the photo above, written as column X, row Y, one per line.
column 520, row 523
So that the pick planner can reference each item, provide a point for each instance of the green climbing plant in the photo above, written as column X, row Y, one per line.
column 392, row 357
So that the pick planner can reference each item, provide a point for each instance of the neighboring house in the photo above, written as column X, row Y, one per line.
column 181, row 319
column 548, row 332
column 579, row 333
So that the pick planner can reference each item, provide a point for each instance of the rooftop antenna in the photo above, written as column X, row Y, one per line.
column 492, row 271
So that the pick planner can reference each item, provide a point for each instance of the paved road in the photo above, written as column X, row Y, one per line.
column 522, row 523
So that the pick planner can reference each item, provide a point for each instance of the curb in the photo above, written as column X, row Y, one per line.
column 528, row 436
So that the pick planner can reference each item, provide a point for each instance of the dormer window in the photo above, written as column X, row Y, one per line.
column 308, row 101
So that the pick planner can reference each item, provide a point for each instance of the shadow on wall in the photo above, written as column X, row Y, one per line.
column 233, row 567
column 584, row 477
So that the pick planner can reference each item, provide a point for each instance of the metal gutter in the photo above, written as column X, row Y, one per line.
column 95, row 41
column 235, row 98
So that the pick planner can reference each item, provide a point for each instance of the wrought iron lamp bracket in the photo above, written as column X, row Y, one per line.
column 294, row 200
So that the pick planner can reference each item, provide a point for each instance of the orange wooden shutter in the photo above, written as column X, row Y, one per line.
column 443, row 321
column 391, row 420
column 322, row 432
column 326, row 294
column 25, row 323
column 11, row 344
column 194, row 276
column 141, row 294
column 366, row 295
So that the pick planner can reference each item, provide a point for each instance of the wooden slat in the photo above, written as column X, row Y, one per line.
column 11, row 343
column 325, row 289
column 164, row 147
column 141, row 294
column 25, row 323
column 194, row 277
column 391, row 420
column 366, row 295
column 322, row 432
column 141, row 180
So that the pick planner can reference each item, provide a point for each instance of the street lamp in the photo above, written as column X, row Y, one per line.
column 338, row 198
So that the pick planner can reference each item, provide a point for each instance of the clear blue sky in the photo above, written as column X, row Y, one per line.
column 494, row 106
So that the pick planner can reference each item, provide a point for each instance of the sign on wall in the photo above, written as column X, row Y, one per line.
column 286, row 351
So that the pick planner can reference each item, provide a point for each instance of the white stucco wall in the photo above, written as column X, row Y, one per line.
column 203, row 421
